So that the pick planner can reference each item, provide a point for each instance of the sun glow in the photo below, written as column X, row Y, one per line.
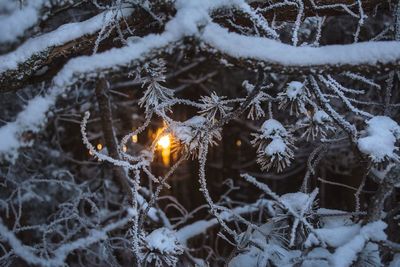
column 164, row 145
column 164, row 142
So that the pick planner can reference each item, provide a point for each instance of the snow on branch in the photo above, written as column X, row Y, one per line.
column 189, row 231
column 193, row 19
column 19, row 18
column 30, row 119
column 61, row 35
column 271, row 51
column 36, row 53
column 289, row 230
column 348, row 253
column 11, row 132
column 384, row 131
column 61, row 252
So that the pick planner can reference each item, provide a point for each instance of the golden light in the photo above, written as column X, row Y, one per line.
column 238, row 143
column 164, row 145
column 164, row 142
column 99, row 147
column 134, row 138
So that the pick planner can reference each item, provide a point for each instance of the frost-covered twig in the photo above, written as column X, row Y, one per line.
column 345, row 125
column 275, row 197
column 59, row 254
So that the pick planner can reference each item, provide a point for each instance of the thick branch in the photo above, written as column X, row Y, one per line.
column 376, row 205
column 43, row 65
column 385, row 189
column 109, row 134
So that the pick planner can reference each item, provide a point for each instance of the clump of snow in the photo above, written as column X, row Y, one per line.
column 294, row 89
column 333, row 218
column 250, row 258
column 347, row 254
column 321, row 117
column 248, row 86
column 253, row 256
column 396, row 261
column 30, row 119
column 18, row 20
column 338, row 236
column 295, row 201
column 273, row 128
column 185, row 132
column 275, row 147
column 293, row 97
column 379, row 142
column 351, row 242
column 318, row 252
column 270, row 251
column 318, row 257
column 163, row 240
column 161, row 248
column 191, row 133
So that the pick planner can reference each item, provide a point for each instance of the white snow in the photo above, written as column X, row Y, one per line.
column 163, row 240
column 379, row 142
column 338, row 236
column 62, row 251
column 34, row 114
column 346, row 254
column 271, row 254
column 198, row 227
column 396, row 261
column 295, row 201
column 321, row 117
column 329, row 220
column 17, row 20
column 273, row 127
column 189, row 17
column 250, row 258
column 318, row 252
column 259, row 48
column 192, row 19
column 277, row 146
column 61, row 35
column 30, row 119
column 293, row 89
column 184, row 132
column 248, row 86
column 349, row 242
